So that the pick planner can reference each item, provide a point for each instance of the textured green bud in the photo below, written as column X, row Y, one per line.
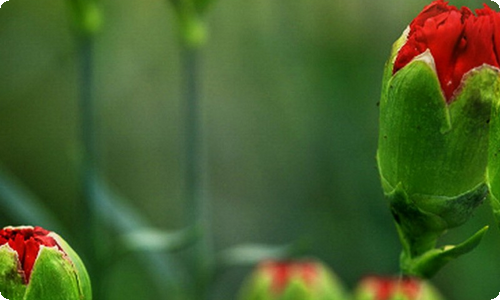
column 300, row 280
column 434, row 132
column 395, row 288
column 37, row 264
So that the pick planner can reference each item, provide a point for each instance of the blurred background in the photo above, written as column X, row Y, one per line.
column 289, row 93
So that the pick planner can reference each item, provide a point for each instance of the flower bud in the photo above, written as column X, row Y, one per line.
column 438, row 89
column 305, row 280
column 38, row 264
column 395, row 288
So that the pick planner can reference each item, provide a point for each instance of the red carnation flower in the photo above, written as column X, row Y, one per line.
column 458, row 40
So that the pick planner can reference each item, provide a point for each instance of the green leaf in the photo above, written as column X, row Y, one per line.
column 431, row 262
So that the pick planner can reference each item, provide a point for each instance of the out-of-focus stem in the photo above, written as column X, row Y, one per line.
column 87, row 206
column 196, row 198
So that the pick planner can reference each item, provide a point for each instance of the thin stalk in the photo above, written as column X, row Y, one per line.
column 196, row 198
column 87, row 206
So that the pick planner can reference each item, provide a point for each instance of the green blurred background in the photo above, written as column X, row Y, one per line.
column 289, row 111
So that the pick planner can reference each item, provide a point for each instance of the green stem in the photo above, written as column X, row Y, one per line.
column 197, row 202
column 86, row 209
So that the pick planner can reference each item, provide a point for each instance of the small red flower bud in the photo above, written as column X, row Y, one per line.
column 389, row 288
column 282, row 272
column 287, row 280
column 38, row 264
column 458, row 40
column 386, row 287
column 26, row 241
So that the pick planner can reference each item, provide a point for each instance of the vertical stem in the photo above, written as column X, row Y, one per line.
column 88, row 221
column 87, row 125
column 192, row 116
column 197, row 202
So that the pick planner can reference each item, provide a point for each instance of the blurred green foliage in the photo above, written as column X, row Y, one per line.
column 290, row 124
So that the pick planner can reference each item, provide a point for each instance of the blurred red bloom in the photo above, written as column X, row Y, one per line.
column 387, row 287
column 282, row 272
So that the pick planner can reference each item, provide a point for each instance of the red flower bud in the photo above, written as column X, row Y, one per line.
column 26, row 241
column 38, row 264
column 458, row 40
column 386, row 287
column 287, row 280
column 282, row 272
column 389, row 288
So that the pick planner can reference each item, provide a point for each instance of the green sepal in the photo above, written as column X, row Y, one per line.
column 429, row 263
column 494, row 161
column 420, row 226
column 495, row 206
column 53, row 277
column 433, row 148
column 256, row 288
column 418, row 230
column 83, row 279
column 298, row 290
column 12, row 284
column 389, row 65
column 432, row 155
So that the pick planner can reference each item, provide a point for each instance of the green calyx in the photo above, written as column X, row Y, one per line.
column 12, row 284
column 430, row 147
column 56, row 275
column 53, row 277
column 433, row 156
column 494, row 161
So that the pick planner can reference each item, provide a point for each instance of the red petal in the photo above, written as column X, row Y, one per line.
column 457, row 39
column 26, row 241
column 32, row 248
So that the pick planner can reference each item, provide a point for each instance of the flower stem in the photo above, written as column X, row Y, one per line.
column 196, row 198
column 87, row 205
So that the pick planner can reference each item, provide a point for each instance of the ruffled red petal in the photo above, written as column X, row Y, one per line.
column 457, row 39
